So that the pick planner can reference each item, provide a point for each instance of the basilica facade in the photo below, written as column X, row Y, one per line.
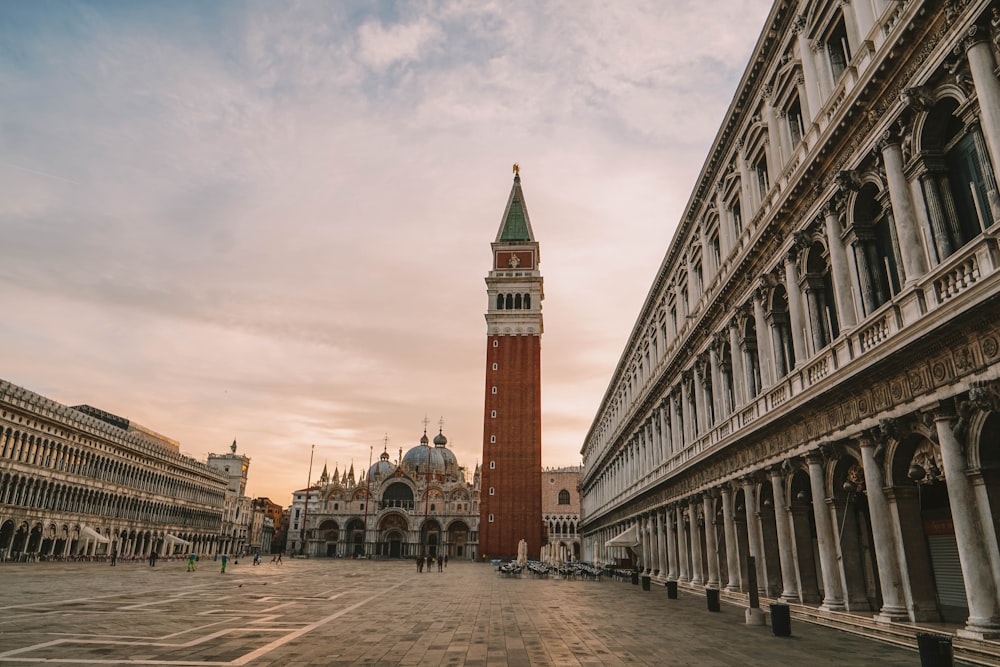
column 421, row 504
column 813, row 380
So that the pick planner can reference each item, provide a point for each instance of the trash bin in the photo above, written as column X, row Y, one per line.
column 781, row 620
column 635, row 577
column 935, row 650
column 672, row 590
column 712, row 597
column 645, row 583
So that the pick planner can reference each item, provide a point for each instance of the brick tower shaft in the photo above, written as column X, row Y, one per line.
column 511, row 481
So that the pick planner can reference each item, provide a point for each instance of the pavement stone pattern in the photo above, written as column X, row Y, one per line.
column 359, row 612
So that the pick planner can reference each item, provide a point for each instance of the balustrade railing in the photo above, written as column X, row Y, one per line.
column 971, row 266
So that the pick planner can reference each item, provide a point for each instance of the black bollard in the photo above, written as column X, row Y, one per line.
column 781, row 620
column 935, row 650
column 712, row 597
column 672, row 590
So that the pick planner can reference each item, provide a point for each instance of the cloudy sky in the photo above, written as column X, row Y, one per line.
column 272, row 220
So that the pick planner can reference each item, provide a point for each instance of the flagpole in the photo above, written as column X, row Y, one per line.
column 368, row 493
column 305, row 512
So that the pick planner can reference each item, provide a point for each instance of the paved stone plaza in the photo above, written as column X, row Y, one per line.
column 340, row 612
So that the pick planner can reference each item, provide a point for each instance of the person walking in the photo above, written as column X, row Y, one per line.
column 279, row 557
column 114, row 557
column 440, row 560
column 225, row 561
column 420, row 563
column 152, row 558
column 191, row 559
column 446, row 560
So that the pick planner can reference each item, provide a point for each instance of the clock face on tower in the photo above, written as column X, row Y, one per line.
column 509, row 259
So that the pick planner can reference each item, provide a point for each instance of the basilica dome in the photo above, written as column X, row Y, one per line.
column 450, row 462
column 382, row 468
column 424, row 459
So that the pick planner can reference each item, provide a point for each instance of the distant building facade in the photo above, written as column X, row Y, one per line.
column 273, row 531
column 423, row 504
column 237, row 520
column 813, row 378
column 512, row 422
column 561, row 512
column 78, row 481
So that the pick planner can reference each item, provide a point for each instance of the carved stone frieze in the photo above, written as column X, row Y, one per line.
column 985, row 395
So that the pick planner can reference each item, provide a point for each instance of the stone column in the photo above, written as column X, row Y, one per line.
column 696, row 569
column 644, row 543
column 739, row 377
column 840, row 271
column 883, row 534
column 711, row 543
column 725, row 224
column 754, row 534
column 814, row 96
column 665, row 427
column 789, row 580
column 682, row 546
column 708, row 267
column 776, row 155
column 677, row 423
column 717, row 391
column 688, row 422
column 694, row 288
column 671, row 529
column 796, row 321
column 980, row 589
column 936, row 216
column 661, row 546
column 833, row 590
column 982, row 64
column 863, row 17
column 698, row 386
column 729, row 531
column 765, row 356
column 903, row 211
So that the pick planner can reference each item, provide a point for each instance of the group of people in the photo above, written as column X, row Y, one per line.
column 193, row 558
column 442, row 562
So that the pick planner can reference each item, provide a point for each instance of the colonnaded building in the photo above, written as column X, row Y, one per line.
column 561, row 513
column 423, row 504
column 78, row 481
column 813, row 377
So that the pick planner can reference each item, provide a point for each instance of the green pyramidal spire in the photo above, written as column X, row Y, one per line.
column 515, row 226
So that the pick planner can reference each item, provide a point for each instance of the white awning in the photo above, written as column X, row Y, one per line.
column 92, row 534
column 629, row 538
column 173, row 539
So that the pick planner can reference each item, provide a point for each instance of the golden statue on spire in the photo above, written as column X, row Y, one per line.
column 517, row 169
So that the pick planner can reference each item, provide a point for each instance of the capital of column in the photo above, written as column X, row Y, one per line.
column 977, row 34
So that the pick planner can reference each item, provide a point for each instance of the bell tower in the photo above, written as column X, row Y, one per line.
column 511, row 487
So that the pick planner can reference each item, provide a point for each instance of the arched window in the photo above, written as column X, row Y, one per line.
column 819, row 298
column 784, row 352
column 510, row 301
column 499, row 301
column 874, row 248
column 517, row 302
column 751, row 357
column 968, row 179
column 564, row 497
column 527, row 302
